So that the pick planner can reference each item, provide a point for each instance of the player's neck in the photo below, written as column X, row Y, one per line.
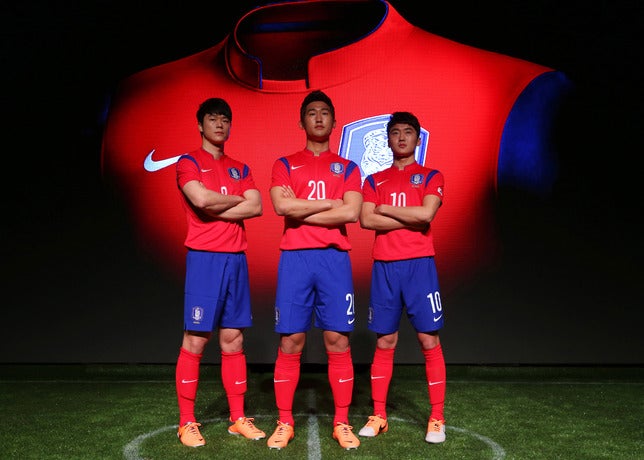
column 401, row 162
column 317, row 147
column 217, row 151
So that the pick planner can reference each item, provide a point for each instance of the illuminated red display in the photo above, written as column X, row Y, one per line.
column 463, row 97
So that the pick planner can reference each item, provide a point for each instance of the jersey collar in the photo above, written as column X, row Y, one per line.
column 373, row 29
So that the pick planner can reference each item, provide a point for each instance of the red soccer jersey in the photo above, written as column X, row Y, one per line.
column 463, row 96
column 406, row 187
column 327, row 176
column 225, row 176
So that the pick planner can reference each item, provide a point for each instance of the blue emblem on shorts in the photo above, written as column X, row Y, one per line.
column 337, row 168
column 416, row 179
column 197, row 314
column 365, row 142
column 234, row 173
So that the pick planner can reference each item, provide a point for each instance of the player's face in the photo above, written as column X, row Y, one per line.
column 215, row 128
column 403, row 140
column 318, row 121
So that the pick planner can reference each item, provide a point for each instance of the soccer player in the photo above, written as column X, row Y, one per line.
column 218, row 193
column 400, row 203
column 318, row 193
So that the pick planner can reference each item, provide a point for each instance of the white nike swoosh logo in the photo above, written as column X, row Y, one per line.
column 239, row 383
column 345, row 380
column 376, row 377
column 382, row 182
column 281, row 381
column 151, row 165
column 436, row 383
column 206, row 170
column 296, row 167
column 188, row 381
column 438, row 319
column 351, row 321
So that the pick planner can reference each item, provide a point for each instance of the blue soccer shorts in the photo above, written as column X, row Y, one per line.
column 314, row 281
column 410, row 284
column 217, row 291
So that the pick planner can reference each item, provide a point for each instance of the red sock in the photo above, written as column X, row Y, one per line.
column 233, row 377
column 435, row 372
column 341, row 380
column 285, row 378
column 382, row 369
column 187, row 381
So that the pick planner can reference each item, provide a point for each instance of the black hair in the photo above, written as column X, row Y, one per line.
column 407, row 118
column 315, row 96
column 214, row 106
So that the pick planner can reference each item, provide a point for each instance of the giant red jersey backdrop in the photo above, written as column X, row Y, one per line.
column 484, row 117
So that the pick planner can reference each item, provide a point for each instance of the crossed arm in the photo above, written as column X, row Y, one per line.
column 225, row 207
column 326, row 212
column 385, row 217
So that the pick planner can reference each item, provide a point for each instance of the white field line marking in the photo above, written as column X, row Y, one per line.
column 313, row 441
column 497, row 450
column 131, row 449
column 457, row 382
column 537, row 382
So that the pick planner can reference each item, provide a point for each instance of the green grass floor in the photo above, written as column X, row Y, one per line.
column 130, row 412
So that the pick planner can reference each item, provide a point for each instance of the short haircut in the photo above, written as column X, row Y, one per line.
column 214, row 106
column 407, row 118
column 315, row 96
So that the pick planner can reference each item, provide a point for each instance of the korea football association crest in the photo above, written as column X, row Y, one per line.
column 416, row 179
column 197, row 314
column 365, row 142
column 234, row 173
column 337, row 168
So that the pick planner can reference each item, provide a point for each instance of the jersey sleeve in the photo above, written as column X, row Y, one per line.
column 435, row 184
column 369, row 190
column 279, row 173
column 353, row 181
column 248, row 182
column 528, row 157
column 187, row 170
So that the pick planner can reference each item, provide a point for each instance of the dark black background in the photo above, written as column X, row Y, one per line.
column 78, row 288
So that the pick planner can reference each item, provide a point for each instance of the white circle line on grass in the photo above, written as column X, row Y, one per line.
column 131, row 449
column 313, row 440
column 455, row 382
column 497, row 450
